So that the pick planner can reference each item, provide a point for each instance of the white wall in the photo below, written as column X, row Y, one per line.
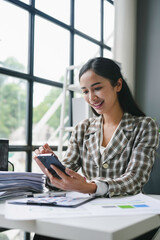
column 148, row 57
column 124, row 50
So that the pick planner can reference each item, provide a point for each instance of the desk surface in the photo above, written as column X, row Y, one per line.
column 104, row 228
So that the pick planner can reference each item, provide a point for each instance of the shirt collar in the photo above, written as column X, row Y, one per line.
column 127, row 123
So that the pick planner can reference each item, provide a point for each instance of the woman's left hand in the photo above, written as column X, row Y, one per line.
column 73, row 182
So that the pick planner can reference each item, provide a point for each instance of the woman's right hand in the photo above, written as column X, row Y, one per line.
column 42, row 150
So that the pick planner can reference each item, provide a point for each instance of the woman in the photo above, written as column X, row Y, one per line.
column 115, row 149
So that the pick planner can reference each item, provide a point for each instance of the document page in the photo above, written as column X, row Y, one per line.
column 68, row 200
column 18, row 184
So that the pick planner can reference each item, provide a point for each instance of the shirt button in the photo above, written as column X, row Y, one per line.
column 105, row 165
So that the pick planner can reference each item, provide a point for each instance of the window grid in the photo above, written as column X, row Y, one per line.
column 31, row 79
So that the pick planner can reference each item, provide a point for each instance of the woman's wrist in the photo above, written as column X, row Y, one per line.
column 92, row 187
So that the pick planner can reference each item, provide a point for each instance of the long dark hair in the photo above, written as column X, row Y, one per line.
column 107, row 68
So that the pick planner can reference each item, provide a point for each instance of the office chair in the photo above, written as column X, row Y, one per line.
column 153, row 185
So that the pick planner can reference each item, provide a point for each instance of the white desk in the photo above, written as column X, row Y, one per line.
column 102, row 228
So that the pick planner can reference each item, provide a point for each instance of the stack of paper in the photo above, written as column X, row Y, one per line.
column 14, row 184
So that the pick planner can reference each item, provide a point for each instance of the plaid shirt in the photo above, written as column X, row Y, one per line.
column 126, row 165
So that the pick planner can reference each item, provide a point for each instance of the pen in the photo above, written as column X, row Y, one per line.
column 41, row 203
column 34, row 203
column 48, row 194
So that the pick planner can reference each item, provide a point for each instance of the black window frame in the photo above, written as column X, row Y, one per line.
column 31, row 78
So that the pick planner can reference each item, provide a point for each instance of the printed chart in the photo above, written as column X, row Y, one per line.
column 138, row 204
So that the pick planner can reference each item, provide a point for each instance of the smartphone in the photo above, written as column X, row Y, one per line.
column 48, row 159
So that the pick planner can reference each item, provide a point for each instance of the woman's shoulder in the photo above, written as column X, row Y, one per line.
column 145, row 120
column 88, row 126
column 141, row 121
column 89, row 122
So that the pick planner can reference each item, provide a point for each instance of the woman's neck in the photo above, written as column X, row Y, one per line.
column 112, row 119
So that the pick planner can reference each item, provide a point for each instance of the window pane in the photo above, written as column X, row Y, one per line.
column 25, row 1
column 107, row 53
column 46, row 114
column 51, row 50
column 18, row 159
column 13, row 37
column 84, row 50
column 57, row 9
column 35, row 167
column 13, row 94
column 108, row 23
column 87, row 17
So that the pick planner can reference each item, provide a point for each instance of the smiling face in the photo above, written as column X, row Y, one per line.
column 99, row 93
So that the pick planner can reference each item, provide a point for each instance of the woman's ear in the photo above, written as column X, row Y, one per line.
column 119, row 85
